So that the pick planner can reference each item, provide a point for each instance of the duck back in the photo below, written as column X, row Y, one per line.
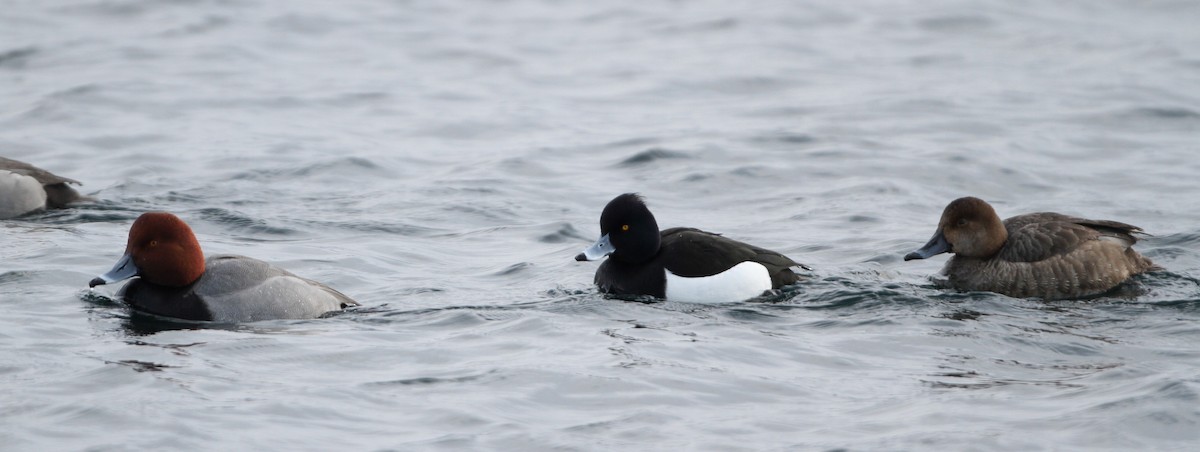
column 694, row 253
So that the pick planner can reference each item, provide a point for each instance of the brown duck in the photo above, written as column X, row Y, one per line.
column 1046, row 254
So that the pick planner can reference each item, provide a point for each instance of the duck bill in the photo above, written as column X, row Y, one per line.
column 937, row 245
column 598, row 250
column 124, row 269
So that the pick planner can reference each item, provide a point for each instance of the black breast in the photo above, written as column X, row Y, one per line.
column 620, row 278
column 175, row 302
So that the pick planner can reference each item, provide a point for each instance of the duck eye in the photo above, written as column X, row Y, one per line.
column 624, row 227
column 962, row 221
column 154, row 243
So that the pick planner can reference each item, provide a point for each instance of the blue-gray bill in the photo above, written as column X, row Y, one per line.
column 601, row 248
column 124, row 269
column 937, row 245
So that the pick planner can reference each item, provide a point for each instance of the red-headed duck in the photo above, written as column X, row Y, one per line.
column 679, row 264
column 1046, row 254
column 176, row 281
column 25, row 188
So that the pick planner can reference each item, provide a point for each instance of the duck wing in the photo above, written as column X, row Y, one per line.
column 1039, row 236
column 695, row 253
column 43, row 176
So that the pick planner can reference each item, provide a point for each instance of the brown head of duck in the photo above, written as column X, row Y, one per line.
column 969, row 227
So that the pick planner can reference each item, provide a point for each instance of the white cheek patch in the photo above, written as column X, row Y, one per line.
column 744, row 281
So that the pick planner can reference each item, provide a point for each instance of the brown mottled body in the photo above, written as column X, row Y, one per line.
column 1046, row 255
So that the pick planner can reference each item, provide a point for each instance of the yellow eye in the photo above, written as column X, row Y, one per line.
column 624, row 227
column 154, row 243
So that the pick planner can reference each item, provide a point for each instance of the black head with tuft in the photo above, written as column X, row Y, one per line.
column 631, row 228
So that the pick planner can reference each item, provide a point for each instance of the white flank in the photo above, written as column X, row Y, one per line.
column 743, row 281
column 19, row 194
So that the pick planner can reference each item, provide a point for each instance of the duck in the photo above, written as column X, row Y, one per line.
column 176, row 281
column 25, row 188
column 1043, row 255
column 679, row 264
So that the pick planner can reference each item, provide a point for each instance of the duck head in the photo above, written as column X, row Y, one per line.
column 969, row 227
column 628, row 232
column 162, row 250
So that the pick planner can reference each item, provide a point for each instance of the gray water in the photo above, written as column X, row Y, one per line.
column 442, row 163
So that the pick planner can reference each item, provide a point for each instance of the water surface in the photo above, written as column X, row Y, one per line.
column 442, row 163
